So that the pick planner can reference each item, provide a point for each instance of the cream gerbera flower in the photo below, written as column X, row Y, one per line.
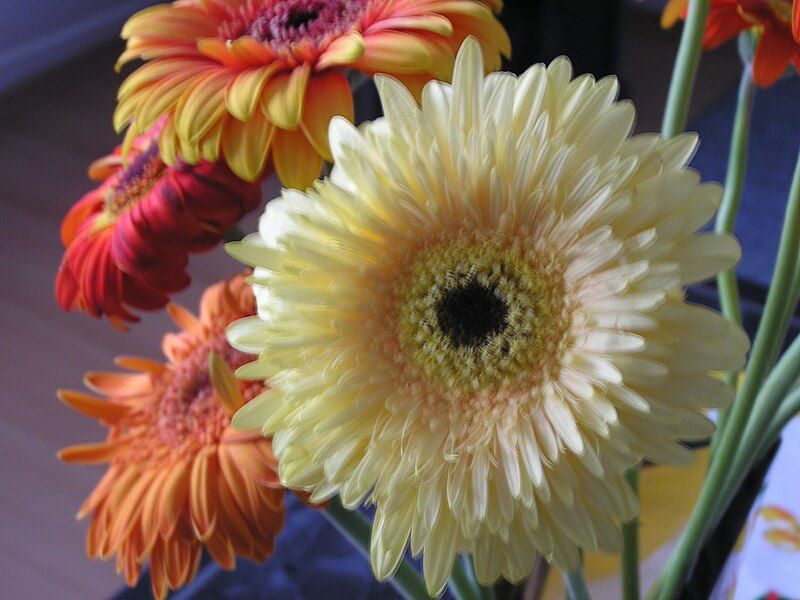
column 479, row 322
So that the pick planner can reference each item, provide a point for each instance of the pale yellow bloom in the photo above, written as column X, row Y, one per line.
column 478, row 323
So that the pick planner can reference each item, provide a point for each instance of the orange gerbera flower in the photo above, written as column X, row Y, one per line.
column 776, row 21
column 241, row 78
column 128, row 241
column 179, row 477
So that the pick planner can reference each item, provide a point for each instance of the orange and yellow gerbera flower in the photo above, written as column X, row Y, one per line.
column 128, row 241
column 180, row 478
column 254, row 79
column 777, row 23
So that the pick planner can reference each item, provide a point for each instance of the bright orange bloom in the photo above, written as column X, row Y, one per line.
column 180, row 477
column 243, row 78
column 776, row 21
column 128, row 241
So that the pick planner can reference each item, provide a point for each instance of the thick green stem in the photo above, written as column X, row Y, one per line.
column 685, row 71
column 353, row 526
column 775, row 401
column 576, row 585
column 630, row 547
column 726, row 217
column 710, row 504
column 463, row 584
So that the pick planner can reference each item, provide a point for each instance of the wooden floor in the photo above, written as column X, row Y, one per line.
column 49, row 132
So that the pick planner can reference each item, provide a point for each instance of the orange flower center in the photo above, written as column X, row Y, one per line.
column 189, row 412
column 284, row 24
column 134, row 181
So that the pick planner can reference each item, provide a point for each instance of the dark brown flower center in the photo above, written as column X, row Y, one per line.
column 471, row 313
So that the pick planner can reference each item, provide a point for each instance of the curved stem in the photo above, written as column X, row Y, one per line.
column 353, row 526
column 685, row 71
column 576, row 585
column 726, row 217
column 630, row 547
column 731, row 440
column 463, row 583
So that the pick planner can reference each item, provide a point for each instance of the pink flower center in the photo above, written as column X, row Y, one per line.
column 283, row 24
column 189, row 412
column 134, row 181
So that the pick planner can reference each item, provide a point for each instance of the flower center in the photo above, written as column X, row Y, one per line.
column 189, row 413
column 473, row 316
column 472, row 313
column 135, row 181
column 290, row 22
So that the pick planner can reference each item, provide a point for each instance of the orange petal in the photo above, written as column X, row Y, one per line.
column 135, row 363
column 296, row 161
column 158, row 575
column 328, row 95
column 283, row 97
column 118, row 384
column 184, row 319
column 92, row 453
column 796, row 19
column 672, row 12
column 246, row 146
column 92, row 406
column 174, row 492
column 221, row 550
column 202, row 500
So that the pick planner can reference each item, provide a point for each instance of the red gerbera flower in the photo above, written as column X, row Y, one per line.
column 128, row 241
column 776, row 21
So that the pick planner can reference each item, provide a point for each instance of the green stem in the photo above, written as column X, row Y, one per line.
column 630, row 547
column 576, row 585
column 761, row 358
column 685, row 71
column 726, row 217
column 353, row 526
column 774, row 400
column 463, row 584
column 787, row 411
column 234, row 234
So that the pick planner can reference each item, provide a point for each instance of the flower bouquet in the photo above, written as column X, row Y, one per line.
column 475, row 322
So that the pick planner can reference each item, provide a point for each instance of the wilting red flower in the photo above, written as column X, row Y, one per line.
column 180, row 478
column 777, row 23
column 128, row 241
column 254, row 80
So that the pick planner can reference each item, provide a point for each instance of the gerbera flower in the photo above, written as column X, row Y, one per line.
column 479, row 319
column 777, row 23
column 180, row 478
column 243, row 78
column 128, row 241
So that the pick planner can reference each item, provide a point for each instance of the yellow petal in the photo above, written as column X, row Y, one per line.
column 200, row 107
column 328, row 96
column 243, row 92
column 342, row 51
column 246, row 145
column 283, row 97
column 224, row 383
column 394, row 52
column 296, row 161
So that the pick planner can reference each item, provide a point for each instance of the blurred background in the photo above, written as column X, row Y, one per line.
column 57, row 95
